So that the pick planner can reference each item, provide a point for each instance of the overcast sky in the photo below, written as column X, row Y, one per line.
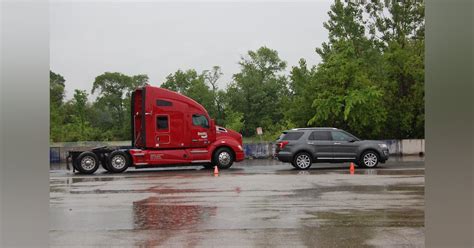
column 158, row 38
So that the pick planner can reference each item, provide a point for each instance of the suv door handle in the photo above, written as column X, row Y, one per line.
column 337, row 143
column 310, row 143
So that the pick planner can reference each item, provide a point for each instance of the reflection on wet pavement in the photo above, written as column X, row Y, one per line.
column 149, row 214
column 251, row 205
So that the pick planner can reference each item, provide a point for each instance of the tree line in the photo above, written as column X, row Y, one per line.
column 370, row 82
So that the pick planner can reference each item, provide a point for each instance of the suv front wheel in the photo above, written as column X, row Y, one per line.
column 369, row 159
column 302, row 161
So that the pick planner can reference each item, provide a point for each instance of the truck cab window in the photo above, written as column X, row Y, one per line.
column 200, row 120
column 163, row 103
column 162, row 122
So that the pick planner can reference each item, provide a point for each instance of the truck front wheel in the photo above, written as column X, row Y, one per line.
column 87, row 163
column 118, row 161
column 223, row 158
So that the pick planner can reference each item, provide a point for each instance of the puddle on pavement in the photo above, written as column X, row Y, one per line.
column 379, row 171
column 151, row 214
column 372, row 218
column 354, row 228
column 417, row 190
column 396, row 172
column 330, row 236
column 157, row 189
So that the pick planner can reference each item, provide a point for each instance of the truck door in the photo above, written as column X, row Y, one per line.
column 162, row 137
column 199, row 130
column 169, row 128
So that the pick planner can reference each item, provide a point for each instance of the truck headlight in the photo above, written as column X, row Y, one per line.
column 383, row 146
column 240, row 148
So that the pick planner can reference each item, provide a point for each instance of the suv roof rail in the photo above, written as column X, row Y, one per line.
column 312, row 128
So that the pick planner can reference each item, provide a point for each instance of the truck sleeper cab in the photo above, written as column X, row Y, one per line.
column 167, row 128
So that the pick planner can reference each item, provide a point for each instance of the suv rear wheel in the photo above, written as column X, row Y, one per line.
column 369, row 159
column 302, row 161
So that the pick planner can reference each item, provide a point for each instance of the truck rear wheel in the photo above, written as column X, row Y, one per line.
column 87, row 163
column 106, row 166
column 223, row 158
column 118, row 161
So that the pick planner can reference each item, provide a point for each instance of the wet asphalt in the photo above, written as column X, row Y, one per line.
column 256, row 203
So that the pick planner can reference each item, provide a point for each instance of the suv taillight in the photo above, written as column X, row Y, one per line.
column 283, row 144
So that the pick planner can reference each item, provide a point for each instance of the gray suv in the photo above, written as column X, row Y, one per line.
column 303, row 146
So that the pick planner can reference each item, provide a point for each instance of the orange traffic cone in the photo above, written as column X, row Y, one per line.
column 216, row 171
column 351, row 168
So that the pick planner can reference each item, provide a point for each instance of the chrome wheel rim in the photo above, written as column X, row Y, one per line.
column 118, row 161
column 303, row 161
column 88, row 163
column 370, row 159
column 224, row 158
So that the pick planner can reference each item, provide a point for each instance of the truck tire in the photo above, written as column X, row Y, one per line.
column 118, row 161
column 223, row 158
column 87, row 163
column 106, row 166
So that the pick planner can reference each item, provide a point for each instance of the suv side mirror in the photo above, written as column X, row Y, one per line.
column 352, row 140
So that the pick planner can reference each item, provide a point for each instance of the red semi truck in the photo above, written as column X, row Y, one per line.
column 167, row 129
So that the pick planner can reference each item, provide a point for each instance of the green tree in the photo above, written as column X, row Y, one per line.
column 56, row 97
column 77, row 126
column 193, row 85
column 397, row 29
column 212, row 77
column 234, row 120
column 348, row 91
column 259, row 90
column 114, row 90
column 56, row 89
column 302, row 85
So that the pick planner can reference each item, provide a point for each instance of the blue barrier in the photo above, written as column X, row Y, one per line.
column 260, row 150
column 54, row 155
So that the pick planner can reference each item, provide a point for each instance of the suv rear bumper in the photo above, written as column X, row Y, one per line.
column 284, row 156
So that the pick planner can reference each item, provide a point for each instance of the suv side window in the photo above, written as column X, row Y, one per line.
column 340, row 136
column 292, row 136
column 320, row 135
